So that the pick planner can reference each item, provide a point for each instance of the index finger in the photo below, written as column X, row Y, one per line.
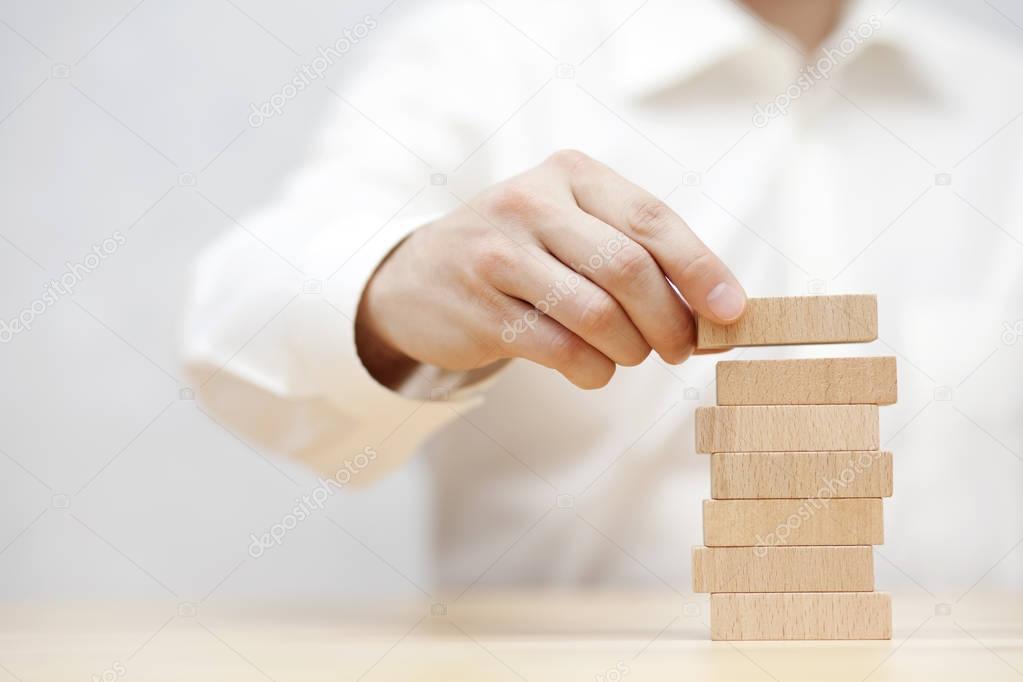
column 706, row 283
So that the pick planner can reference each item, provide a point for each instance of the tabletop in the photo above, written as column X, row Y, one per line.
column 531, row 636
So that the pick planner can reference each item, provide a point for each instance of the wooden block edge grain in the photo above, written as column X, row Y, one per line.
column 752, row 328
column 701, row 425
column 699, row 569
column 801, row 616
column 791, row 522
column 870, row 380
column 838, row 473
column 822, row 568
column 787, row 428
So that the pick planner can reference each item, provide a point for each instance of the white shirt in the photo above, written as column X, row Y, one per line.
column 900, row 173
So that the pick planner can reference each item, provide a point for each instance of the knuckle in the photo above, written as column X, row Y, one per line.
column 493, row 300
column 648, row 217
column 598, row 316
column 630, row 266
column 495, row 261
column 568, row 160
column 698, row 269
column 679, row 342
column 512, row 201
column 635, row 356
column 566, row 349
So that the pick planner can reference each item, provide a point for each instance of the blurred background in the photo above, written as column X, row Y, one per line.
column 133, row 118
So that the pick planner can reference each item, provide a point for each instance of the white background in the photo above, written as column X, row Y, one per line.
column 106, row 108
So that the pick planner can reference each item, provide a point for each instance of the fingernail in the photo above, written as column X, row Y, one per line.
column 726, row 301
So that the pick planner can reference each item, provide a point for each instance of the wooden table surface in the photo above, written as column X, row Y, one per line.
column 532, row 636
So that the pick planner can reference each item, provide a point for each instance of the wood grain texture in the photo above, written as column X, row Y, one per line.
column 763, row 475
column 792, row 320
column 769, row 523
column 801, row 615
column 783, row 569
column 824, row 381
column 787, row 428
column 544, row 634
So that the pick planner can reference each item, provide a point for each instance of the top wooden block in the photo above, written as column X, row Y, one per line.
column 794, row 320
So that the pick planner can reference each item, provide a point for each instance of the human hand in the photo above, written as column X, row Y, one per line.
column 568, row 265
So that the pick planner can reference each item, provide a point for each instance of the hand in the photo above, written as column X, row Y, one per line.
column 567, row 265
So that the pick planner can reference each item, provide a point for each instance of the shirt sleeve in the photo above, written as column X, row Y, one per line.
column 269, row 325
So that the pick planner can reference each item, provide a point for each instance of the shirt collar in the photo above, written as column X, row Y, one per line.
column 669, row 42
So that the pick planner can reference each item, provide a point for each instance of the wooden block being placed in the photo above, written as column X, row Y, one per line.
column 813, row 521
column 783, row 569
column 763, row 475
column 792, row 320
column 801, row 615
column 825, row 381
column 787, row 428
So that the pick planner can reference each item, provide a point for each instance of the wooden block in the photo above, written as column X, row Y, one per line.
column 792, row 320
column 801, row 615
column 825, row 381
column 812, row 521
column 783, row 569
column 762, row 475
column 787, row 428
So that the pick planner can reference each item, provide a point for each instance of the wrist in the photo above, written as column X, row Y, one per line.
column 381, row 358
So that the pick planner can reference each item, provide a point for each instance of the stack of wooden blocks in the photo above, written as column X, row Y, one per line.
column 797, row 476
